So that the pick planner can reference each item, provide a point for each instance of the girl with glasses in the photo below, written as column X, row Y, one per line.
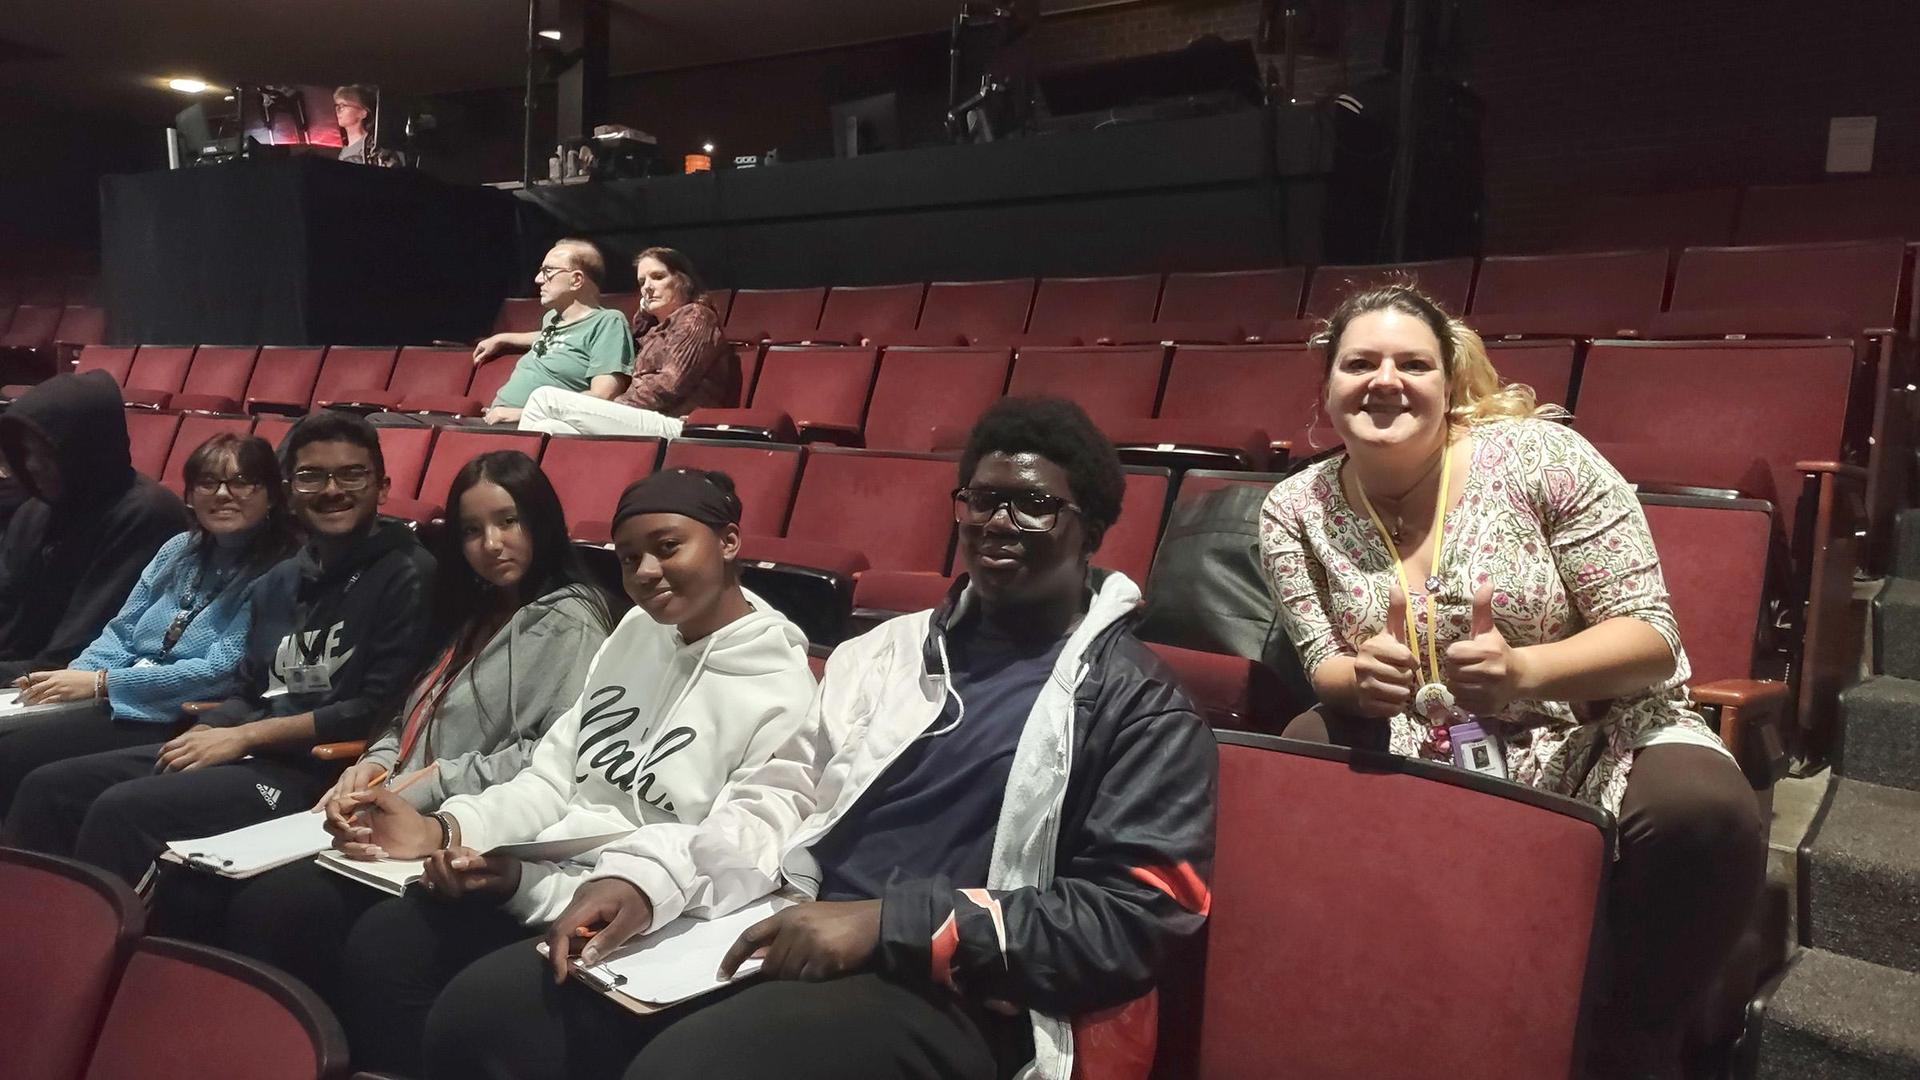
column 180, row 634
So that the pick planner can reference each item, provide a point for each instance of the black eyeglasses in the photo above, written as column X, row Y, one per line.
column 237, row 486
column 312, row 481
column 546, row 272
column 1030, row 511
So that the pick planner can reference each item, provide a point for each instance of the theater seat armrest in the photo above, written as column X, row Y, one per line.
column 204, row 403
column 772, row 552
column 414, row 511
column 1282, row 452
column 137, row 398
column 363, row 400
column 1751, row 716
column 450, row 404
column 340, row 751
column 1833, row 468
column 593, row 532
column 770, row 425
column 257, row 405
column 199, row 708
column 837, row 434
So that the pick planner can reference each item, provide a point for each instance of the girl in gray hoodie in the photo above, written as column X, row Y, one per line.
column 521, row 620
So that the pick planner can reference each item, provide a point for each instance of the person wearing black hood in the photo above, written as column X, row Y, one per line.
column 90, row 524
column 340, row 632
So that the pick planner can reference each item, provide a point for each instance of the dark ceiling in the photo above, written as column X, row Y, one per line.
column 115, row 55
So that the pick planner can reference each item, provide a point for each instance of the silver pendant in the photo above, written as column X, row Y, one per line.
column 1434, row 702
column 1433, row 584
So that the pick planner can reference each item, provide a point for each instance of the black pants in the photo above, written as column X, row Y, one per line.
column 504, row 1017
column 83, row 728
column 1692, row 866
column 113, row 811
column 296, row 918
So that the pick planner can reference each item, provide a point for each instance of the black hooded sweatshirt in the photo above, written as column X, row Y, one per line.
column 364, row 616
column 66, row 566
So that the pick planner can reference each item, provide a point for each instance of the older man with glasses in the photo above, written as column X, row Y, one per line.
column 339, row 632
column 581, row 346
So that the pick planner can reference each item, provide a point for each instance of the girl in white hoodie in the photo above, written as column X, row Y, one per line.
column 683, row 709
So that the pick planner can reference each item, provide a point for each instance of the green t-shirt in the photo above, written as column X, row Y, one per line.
column 570, row 355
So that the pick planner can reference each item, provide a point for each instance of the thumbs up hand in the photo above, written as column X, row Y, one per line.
column 1384, row 670
column 1483, row 673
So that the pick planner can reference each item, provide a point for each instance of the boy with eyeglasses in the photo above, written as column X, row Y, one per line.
column 581, row 346
column 1003, row 818
column 339, row 632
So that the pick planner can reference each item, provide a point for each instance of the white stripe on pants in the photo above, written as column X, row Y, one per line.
column 563, row 412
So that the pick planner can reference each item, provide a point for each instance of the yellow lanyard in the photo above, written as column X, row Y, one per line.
column 1432, row 650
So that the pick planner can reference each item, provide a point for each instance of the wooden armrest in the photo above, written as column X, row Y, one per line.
column 1833, row 468
column 1753, row 717
column 340, row 751
column 196, row 708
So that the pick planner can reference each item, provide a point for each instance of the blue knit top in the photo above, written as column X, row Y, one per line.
column 145, row 681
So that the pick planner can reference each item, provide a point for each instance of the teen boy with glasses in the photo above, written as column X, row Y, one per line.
column 339, row 633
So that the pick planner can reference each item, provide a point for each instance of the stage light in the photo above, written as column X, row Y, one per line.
column 708, row 147
column 187, row 86
column 550, row 35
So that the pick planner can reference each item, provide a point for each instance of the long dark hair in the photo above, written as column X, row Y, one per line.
column 461, row 595
column 253, row 459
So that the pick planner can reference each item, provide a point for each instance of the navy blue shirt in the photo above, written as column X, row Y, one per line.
column 932, row 813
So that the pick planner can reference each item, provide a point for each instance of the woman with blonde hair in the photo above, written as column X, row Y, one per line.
column 1471, row 577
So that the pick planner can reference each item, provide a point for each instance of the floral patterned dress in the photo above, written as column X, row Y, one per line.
column 1562, row 538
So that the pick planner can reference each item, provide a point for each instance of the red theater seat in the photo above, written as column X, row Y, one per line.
column 1842, row 289
column 1448, row 281
column 775, row 314
column 1129, row 544
column 1715, row 556
column 1341, row 879
column 216, row 380
column 426, row 374
column 974, row 311
column 193, row 431
column 273, row 428
column 1545, row 365
column 65, row 929
column 115, row 360
column 518, row 315
column 1240, row 403
column 488, row 378
column 590, row 473
column 857, row 315
column 150, row 438
column 81, row 325
column 283, row 379
column 820, row 393
column 404, row 450
column 33, row 327
column 1083, row 308
column 1243, row 297
column 1602, row 294
column 854, row 510
column 1172, row 333
column 626, row 303
column 764, row 476
column 920, row 388
column 184, row 1011
column 1867, row 208
column 1664, row 220
column 452, row 448
column 722, row 301
column 350, row 373
column 157, row 374
column 1113, row 385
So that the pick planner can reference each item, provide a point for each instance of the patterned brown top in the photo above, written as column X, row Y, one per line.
column 683, row 363
column 1563, row 539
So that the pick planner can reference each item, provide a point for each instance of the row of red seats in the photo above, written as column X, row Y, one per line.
column 295, row 379
column 1842, row 288
column 1857, row 209
column 50, row 291
column 84, row 993
column 1300, row 838
column 42, row 327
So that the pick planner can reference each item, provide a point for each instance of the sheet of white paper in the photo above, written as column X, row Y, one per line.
column 255, row 847
column 682, row 958
column 398, row 873
column 10, row 705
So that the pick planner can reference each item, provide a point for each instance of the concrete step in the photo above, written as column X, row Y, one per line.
column 1880, row 740
column 1861, row 876
column 1896, row 628
column 1837, row 1018
column 1906, row 538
